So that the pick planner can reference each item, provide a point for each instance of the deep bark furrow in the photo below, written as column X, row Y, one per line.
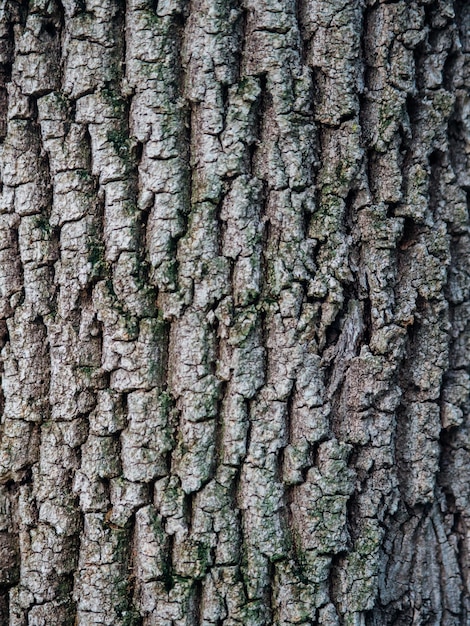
column 234, row 312
column 454, row 394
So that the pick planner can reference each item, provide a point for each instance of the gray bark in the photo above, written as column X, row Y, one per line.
column 234, row 312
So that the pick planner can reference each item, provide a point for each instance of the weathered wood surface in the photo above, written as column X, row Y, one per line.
column 234, row 308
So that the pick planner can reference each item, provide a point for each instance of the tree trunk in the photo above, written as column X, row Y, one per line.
column 234, row 312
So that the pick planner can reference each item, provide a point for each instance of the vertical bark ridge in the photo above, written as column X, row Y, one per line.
column 41, row 496
column 422, row 309
column 211, row 68
column 286, row 129
column 335, row 293
column 124, row 311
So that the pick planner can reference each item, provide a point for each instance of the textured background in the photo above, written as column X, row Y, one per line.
column 234, row 307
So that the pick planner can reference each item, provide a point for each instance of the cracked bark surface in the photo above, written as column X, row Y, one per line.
column 234, row 312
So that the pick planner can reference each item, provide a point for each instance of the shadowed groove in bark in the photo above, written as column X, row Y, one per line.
column 454, row 405
column 7, row 47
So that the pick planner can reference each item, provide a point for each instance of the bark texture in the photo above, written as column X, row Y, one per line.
column 234, row 312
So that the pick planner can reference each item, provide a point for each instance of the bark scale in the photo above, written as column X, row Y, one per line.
column 234, row 304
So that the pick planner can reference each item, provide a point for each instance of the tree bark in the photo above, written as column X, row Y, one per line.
column 234, row 312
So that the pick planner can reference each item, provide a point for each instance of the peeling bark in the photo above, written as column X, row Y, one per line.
column 234, row 312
